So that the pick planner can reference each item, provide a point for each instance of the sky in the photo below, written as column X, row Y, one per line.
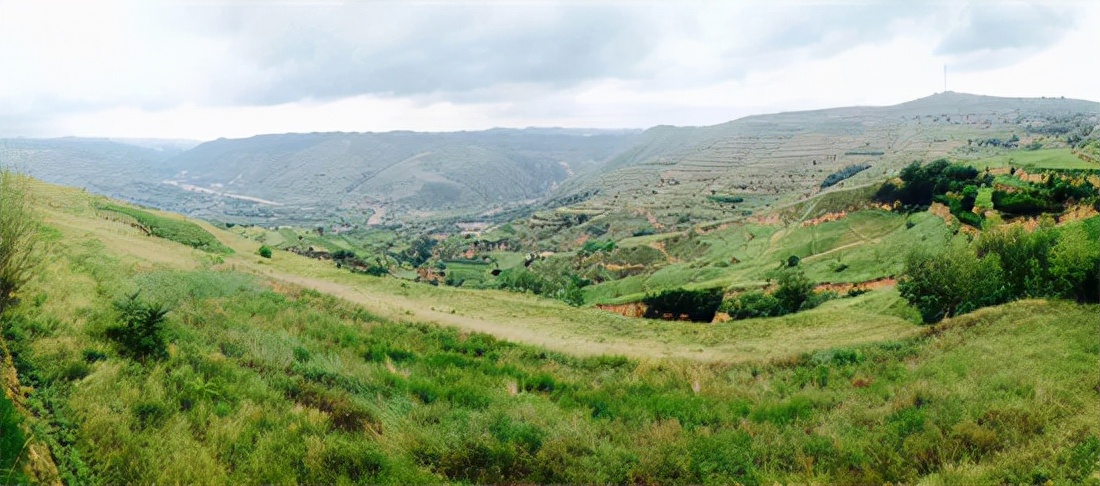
column 205, row 70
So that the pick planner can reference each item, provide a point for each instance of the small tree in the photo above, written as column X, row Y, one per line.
column 18, row 236
column 265, row 251
column 140, row 334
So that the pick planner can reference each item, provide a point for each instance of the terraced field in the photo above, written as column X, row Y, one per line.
column 783, row 158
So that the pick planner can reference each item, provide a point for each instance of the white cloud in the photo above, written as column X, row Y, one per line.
column 207, row 71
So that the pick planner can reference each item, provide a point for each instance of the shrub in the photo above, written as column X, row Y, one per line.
column 817, row 298
column 141, row 332
column 1024, row 257
column 969, row 218
column 592, row 247
column 792, row 261
column 264, row 251
column 343, row 254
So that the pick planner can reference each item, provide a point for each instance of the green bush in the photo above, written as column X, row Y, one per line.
column 1075, row 266
column 752, row 304
column 264, row 251
column 794, row 293
column 1024, row 258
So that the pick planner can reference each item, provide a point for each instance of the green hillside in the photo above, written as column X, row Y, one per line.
column 266, row 380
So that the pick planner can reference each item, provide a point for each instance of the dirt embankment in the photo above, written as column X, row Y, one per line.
column 825, row 219
column 632, row 309
column 1077, row 213
column 844, row 287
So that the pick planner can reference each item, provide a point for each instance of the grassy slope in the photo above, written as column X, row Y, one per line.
column 516, row 317
column 871, row 243
column 272, row 383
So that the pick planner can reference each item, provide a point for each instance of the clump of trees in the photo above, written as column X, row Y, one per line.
column 1011, row 142
column 591, row 247
column 563, row 286
column 1002, row 266
column 697, row 305
column 954, row 185
column 348, row 259
column 1050, row 196
column 794, row 293
column 921, row 183
column 18, row 236
column 840, row 175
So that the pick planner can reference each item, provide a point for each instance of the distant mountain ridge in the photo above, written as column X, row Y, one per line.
column 399, row 172
column 356, row 178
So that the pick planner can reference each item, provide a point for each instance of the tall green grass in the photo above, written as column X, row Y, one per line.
column 13, row 443
column 265, row 383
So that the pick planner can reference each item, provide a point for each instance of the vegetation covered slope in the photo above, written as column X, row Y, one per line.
column 263, row 380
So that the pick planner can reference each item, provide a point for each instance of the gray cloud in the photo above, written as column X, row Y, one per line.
column 421, row 50
column 828, row 29
column 995, row 26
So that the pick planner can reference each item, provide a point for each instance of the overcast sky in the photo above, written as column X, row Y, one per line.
column 222, row 69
